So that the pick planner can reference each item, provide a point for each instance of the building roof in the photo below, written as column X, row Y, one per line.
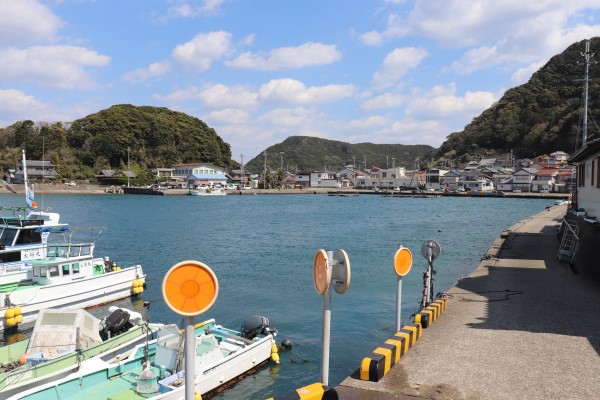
column 106, row 173
column 548, row 171
column 38, row 163
column 206, row 176
column 592, row 147
column 129, row 174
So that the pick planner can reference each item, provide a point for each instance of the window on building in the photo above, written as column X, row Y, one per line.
column 598, row 172
column 581, row 175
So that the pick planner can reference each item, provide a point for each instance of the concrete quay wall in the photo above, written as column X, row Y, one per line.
column 521, row 326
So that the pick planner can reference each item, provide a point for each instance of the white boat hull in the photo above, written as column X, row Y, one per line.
column 77, row 293
column 213, row 192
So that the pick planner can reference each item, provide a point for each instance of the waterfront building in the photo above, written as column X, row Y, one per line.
column 476, row 180
column 36, row 171
column 522, row 179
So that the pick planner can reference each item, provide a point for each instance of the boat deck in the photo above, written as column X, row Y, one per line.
column 7, row 288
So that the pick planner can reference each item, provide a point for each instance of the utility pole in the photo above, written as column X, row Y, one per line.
column 265, row 177
column 386, row 162
column 587, row 55
column 243, row 175
column 281, row 153
column 365, row 162
column 128, row 167
column 394, row 162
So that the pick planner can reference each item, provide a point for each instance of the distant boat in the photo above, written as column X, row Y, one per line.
column 207, row 191
column 154, row 371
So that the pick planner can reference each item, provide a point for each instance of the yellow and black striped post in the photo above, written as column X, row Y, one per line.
column 315, row 391
column 430, row 313
column 383, row 358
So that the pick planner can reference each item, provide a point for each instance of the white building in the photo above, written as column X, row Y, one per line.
column 323, row 179
column 523, row 178
column 588, row 178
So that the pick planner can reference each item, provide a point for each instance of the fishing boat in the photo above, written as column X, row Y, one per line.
column 64, row 339
column 207, row 191
column 153, row 370
column 23, row 236
column 24, row 232
column 68, row 277
column 36, row 274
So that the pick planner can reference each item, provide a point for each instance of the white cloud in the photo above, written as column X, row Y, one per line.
column 229, row 116
column 199, row 53
column 184, row 9
column 522, row 75
column 442, row 102
column 292, row 91
column 26, row 22
column 17, row 106
column 154, row 70
column 222, row 96
column 373, row 121
column 289, row 117
column 306, row 55
column 59, row 67
column 395, row 28
column 248, row 40
column 494, row 33
column 397, row 63
column 179, row 96
column 386, row 100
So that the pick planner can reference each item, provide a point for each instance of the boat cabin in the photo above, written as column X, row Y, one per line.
column 65, row 262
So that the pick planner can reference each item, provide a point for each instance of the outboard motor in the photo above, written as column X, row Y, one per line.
column 117, row 322
column 256, row 325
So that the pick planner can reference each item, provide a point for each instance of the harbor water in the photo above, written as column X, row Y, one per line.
column 261, row 248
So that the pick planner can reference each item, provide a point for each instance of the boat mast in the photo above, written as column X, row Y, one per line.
column 29, row 196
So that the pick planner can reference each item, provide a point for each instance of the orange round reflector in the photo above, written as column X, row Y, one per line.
column 34, row 204
column 190, row 288
column 321, row 272
column 402, row 261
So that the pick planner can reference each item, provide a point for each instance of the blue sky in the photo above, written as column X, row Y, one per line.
column 259, row 71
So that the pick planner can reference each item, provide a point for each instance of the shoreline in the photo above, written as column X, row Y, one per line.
column 97, row 189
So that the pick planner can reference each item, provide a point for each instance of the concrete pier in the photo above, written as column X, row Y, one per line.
column 521, row 326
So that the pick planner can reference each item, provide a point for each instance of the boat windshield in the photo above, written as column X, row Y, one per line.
column 66, row 250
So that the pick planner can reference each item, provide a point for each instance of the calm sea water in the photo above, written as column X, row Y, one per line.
column 261, row 248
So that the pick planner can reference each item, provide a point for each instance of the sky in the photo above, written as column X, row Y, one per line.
column 260, row 71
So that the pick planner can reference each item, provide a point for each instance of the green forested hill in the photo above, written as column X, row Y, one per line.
column 541, row 116
column 150, row 136
column 311, row 153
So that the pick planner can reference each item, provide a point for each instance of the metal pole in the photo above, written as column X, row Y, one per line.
column 128, row 167
column 326, row 338
column 190, row 358
column 399, row 305
column 326, row 331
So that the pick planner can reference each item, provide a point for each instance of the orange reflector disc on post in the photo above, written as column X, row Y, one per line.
column 321, row 272
column 190, row 288
column 402, row 261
